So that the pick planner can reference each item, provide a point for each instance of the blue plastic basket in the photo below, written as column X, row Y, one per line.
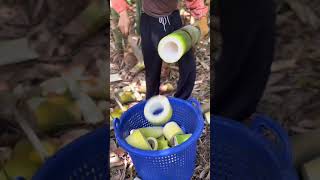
column 176, row 163
column 242, row 153
column 85, row 158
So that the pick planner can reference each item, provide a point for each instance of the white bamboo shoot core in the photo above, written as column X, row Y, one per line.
column 173, row 46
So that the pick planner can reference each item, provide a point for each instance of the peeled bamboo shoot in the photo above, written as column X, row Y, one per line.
column 173, row 46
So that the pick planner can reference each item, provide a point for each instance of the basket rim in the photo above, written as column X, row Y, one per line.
column 156, row 153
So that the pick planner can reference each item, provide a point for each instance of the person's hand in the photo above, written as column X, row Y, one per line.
column 202, row 23
column 124, row 23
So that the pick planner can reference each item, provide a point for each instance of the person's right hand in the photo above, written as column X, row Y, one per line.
column 124, row 23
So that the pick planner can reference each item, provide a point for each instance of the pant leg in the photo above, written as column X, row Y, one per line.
column 151, row 61
column 242, row 71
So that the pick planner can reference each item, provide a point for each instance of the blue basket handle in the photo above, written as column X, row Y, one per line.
column 196, row 104
column 116, row 123
column 283, row 153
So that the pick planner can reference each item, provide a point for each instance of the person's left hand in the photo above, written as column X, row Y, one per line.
column 202, row 23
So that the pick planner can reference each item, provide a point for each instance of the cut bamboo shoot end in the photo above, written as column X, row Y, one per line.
column 170, row 130
column 153, row 143
column 137, row 140
column 170, row 50
column 158, row 110
column 181, row 138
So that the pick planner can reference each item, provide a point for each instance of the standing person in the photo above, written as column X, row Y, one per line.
column 160, row 18
column 242, row 71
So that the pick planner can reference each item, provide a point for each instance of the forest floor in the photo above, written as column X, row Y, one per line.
column 44, row 43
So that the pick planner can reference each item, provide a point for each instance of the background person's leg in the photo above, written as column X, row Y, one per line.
column 247, row 53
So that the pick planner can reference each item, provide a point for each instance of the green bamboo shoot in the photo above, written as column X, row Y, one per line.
column 173, row 46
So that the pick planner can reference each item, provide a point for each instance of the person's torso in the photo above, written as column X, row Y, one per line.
column 158, row 8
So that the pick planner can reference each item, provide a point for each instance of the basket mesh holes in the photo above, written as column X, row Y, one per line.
column 135, row 121
column 185, row 118
column 180, row 165
column 90, row 169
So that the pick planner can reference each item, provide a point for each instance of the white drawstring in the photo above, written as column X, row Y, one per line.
column 163, row 21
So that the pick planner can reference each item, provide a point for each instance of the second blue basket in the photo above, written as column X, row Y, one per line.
column 242, row 153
